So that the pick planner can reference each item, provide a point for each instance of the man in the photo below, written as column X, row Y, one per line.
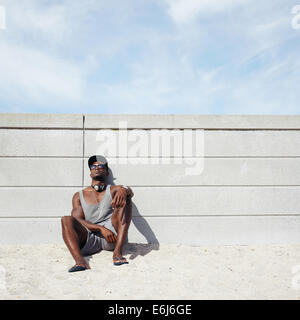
column 100, row 218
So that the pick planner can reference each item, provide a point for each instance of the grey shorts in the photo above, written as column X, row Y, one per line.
column 95, row 241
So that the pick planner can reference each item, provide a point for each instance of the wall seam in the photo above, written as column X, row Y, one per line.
column 83, row 148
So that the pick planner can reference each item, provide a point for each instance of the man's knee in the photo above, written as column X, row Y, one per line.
column 67, row 221
column 127, row 205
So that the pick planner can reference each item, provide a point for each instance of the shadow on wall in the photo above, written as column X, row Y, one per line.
column 136, row 249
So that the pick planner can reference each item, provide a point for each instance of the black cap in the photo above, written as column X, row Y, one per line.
column 95, row 158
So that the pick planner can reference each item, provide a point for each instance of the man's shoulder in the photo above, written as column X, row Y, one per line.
column 77, row 193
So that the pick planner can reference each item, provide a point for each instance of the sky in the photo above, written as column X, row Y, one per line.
column 150, row 56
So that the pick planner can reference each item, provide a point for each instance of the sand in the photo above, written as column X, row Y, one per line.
column 167, row 272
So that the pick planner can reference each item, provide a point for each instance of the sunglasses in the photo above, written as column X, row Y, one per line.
column 100, row 166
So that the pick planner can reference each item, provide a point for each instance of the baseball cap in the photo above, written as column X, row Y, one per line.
column 95, row 158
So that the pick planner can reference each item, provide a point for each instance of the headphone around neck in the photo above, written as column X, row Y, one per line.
column 99, row 187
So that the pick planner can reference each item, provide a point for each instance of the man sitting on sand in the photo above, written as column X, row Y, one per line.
column 100, row 218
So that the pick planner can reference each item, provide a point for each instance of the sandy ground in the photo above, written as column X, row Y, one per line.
column 167, row 272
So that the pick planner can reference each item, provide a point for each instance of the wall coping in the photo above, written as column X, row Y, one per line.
column 41, row 120
column 170, row 121
column 149, row 121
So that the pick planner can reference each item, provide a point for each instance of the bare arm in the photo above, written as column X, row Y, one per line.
column 119, row 195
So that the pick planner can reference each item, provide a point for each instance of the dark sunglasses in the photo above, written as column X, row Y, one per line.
column 100, row 166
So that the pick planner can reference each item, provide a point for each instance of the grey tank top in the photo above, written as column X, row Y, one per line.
column 97, row 213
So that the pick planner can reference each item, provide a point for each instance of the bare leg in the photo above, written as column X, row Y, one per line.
column 121, row 219
column 74, row 235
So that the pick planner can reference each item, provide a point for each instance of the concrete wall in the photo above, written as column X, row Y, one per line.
column 247, row 193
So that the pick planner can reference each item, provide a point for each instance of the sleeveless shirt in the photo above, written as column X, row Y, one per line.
column 100, row 212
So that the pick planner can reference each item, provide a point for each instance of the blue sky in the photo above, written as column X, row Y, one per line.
column 150, row 56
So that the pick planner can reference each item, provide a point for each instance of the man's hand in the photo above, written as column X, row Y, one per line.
column 108, row 235
column 119, row 199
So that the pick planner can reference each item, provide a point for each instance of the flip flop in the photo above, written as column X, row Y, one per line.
column 77, row 268
column 120, row 262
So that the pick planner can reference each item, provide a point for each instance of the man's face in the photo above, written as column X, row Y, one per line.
column 98, row 171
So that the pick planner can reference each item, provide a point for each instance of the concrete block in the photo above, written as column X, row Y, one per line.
column 30, row 231
column 36, row 172
column 252, row 143
column 177, row 230
column 216, row 230
column 41, row 143
column 186, row 201
column 216, row 171
column 160, row 201
column 215, row 143
column 36, row 202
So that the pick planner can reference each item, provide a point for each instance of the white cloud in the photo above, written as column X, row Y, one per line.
column 186, row 10
column 49, row 22
column 36, row 75
column 76, row 55
column 34, row 68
